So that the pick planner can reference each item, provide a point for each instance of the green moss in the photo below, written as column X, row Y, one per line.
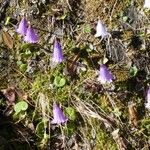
column 104, row 141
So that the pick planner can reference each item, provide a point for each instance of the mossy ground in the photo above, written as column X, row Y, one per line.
column 100, row 117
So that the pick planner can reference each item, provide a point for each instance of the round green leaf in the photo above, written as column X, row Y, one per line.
column 133, row 71
column 21, row 106
column 62, row 82
column 59, row 82
column 24, row 105
column 23, row 67
column 71, row 113
column 125, row 18
column 17, row 108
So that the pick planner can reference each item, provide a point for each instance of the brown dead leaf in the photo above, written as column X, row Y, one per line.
column 133, row 114
column 72, row 66
column 10, row 94
column 7, row 39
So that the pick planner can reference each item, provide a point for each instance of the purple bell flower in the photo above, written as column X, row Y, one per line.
column 101, row 30
column 31, row 36
column 105, row 75
column 58, row 115
column 147, row 4
column 57, row 53
column 147, row 104
column 22, row 28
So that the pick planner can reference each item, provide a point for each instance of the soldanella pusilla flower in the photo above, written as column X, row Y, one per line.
column 105, row 76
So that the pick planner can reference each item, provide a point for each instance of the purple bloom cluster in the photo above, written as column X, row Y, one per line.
column 31, row 36
column 101, row 30
column 22, row 28
column 58, row 115
column 27, row 31
column 105, row 75
column 57, row 53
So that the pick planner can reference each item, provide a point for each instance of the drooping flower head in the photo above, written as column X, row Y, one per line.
column 101, row 30
column 147, row 4
column 147, row 104
column 57, row 53
column 22, row 28
column 31, row 36
column 105, row 75
column 58, row 115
